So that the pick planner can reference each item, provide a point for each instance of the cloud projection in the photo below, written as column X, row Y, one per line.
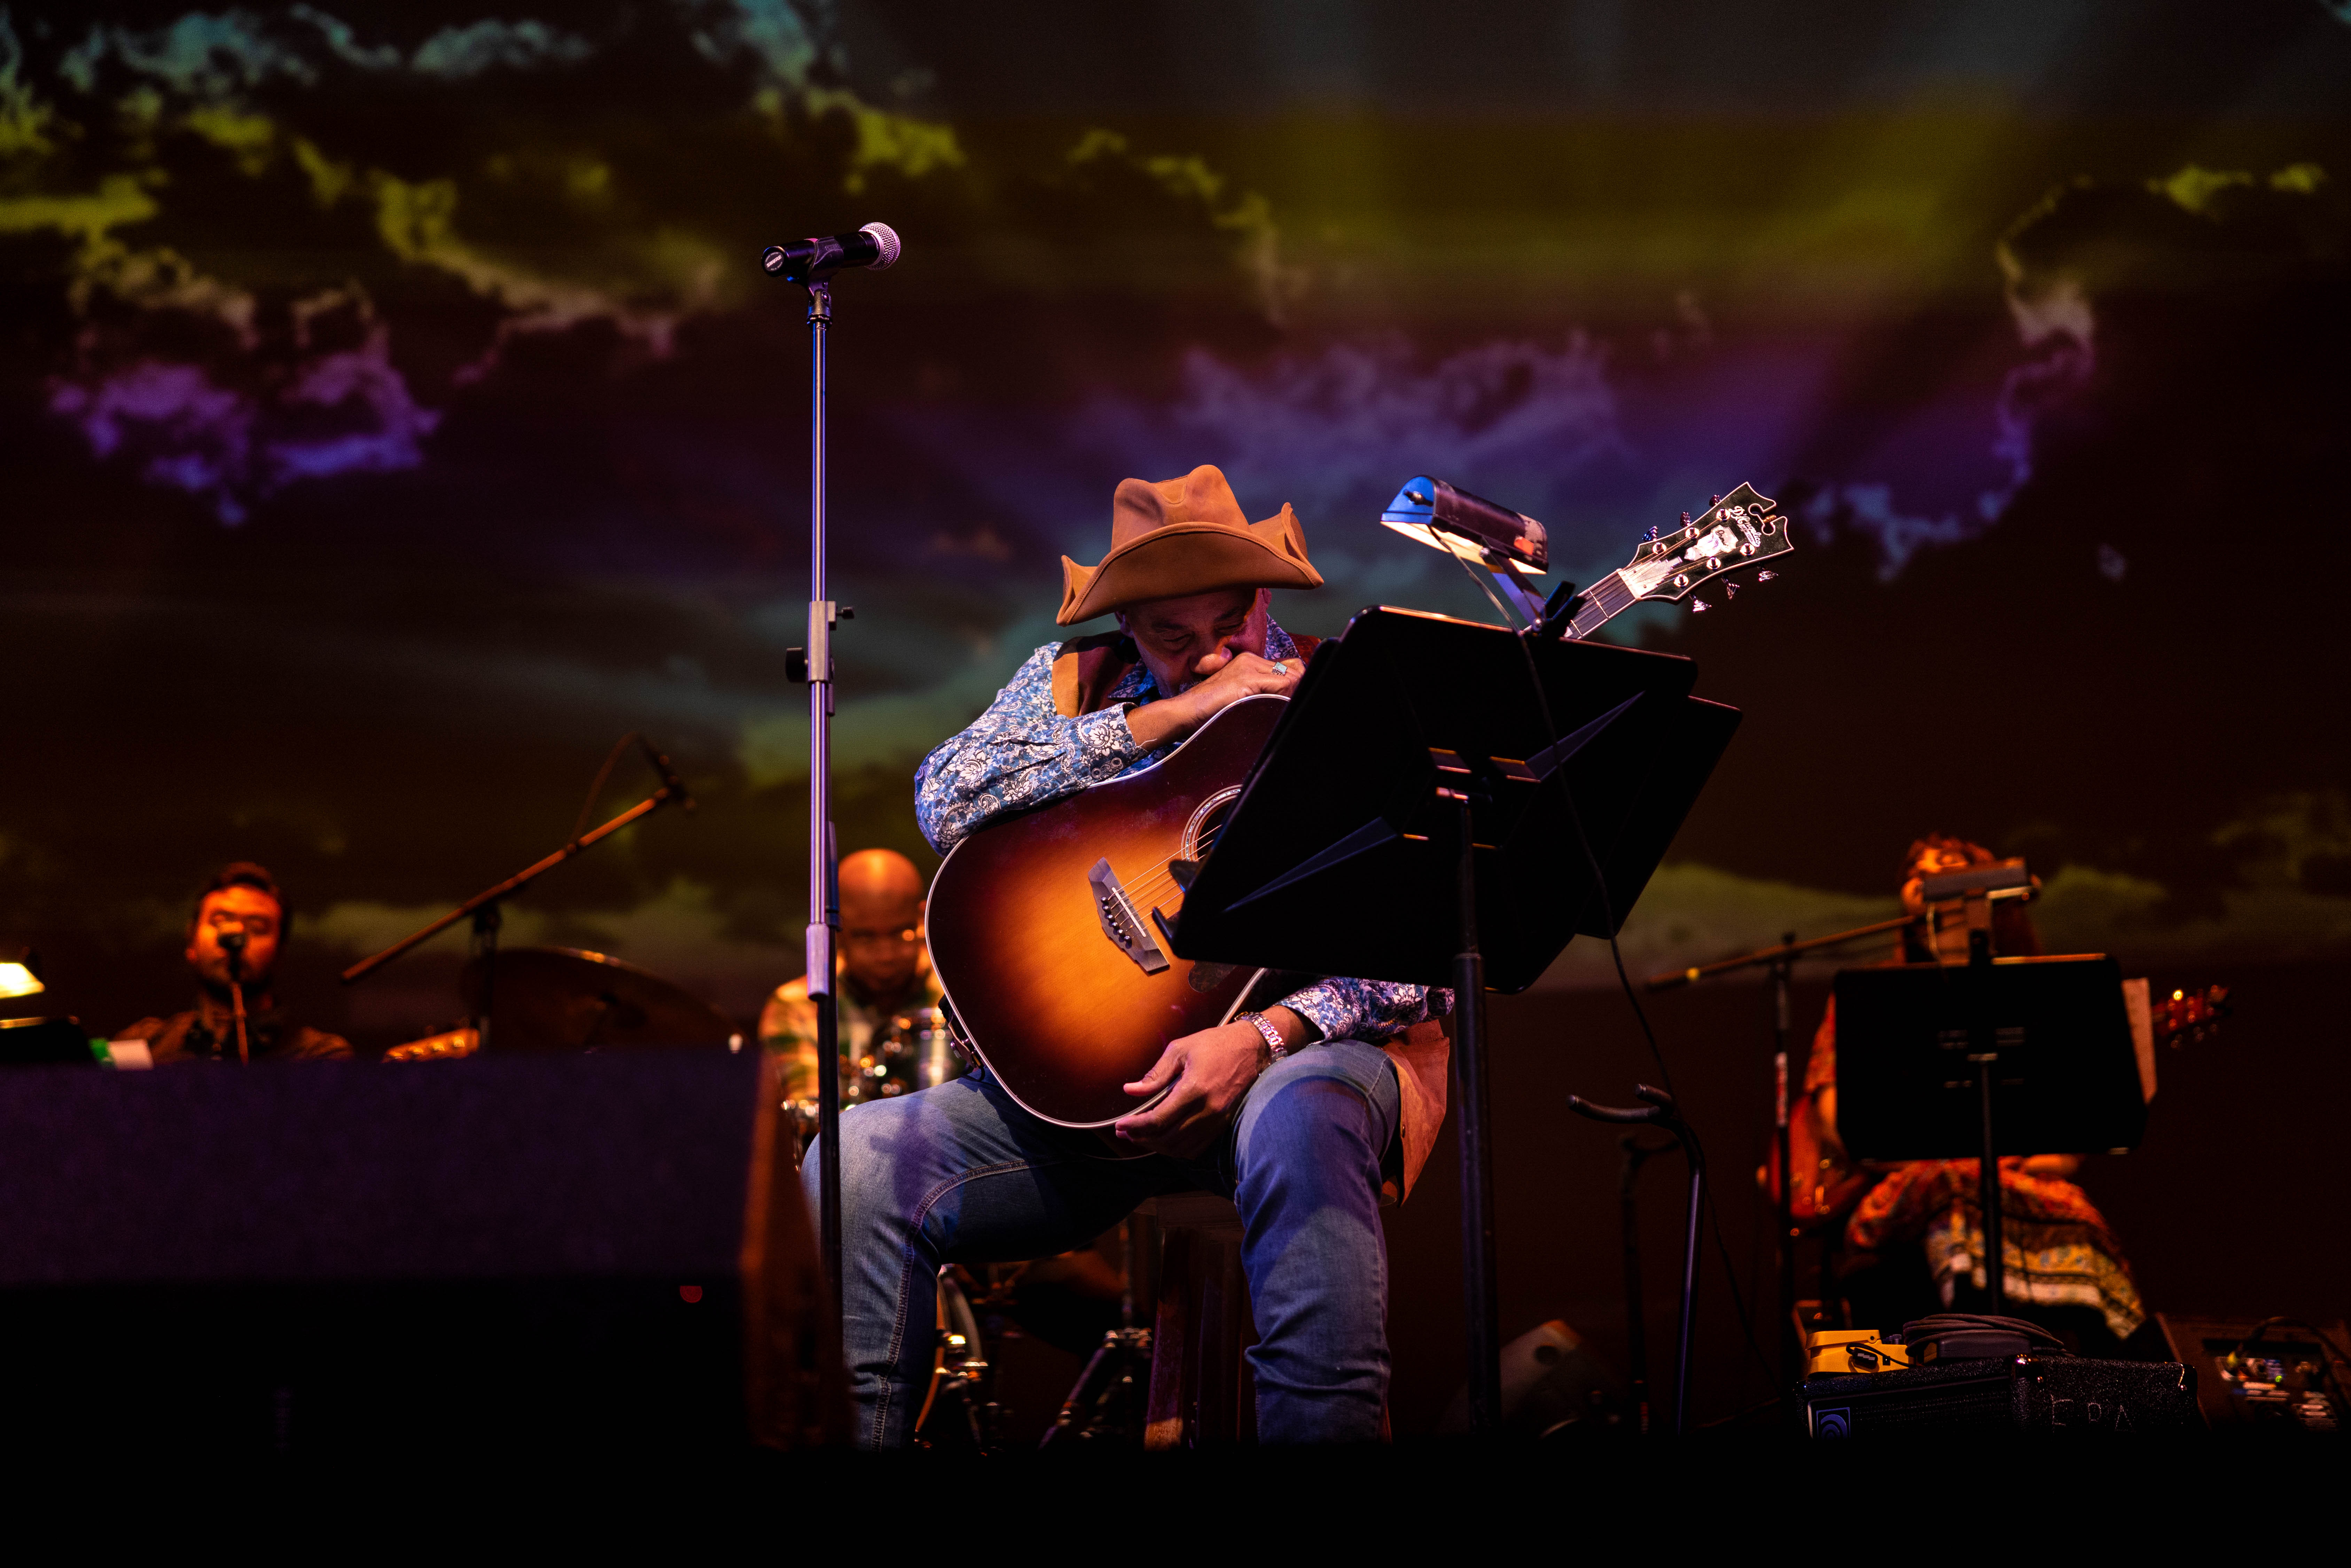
column 223, row 79
column 454, row 317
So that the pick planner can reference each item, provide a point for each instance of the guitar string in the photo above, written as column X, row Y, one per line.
column 1157, row 881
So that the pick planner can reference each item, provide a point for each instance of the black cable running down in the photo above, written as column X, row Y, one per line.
column 1575, row 818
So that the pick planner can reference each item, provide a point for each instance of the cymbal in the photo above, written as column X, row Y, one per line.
column 562, row 998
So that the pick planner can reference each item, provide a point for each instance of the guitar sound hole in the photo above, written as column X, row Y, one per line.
column 1206, row 822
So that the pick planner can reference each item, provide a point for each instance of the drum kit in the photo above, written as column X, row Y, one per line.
column 916, row 1050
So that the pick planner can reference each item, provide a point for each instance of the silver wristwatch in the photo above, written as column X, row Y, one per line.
column 1265, row 1026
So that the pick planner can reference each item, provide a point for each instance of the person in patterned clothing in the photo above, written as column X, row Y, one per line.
column 1301, row 1112
column 1913, row 1243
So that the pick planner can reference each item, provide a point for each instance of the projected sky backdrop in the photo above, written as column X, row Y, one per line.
column 395, row 413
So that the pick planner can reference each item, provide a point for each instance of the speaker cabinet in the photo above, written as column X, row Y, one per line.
column 603, row 1253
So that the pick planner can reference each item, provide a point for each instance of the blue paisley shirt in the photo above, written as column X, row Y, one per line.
column 1022, row 753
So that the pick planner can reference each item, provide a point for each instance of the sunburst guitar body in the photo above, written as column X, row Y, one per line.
column 1049, row 931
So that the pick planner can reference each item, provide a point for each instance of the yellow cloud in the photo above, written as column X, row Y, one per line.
column 119, row 199
column 329, row 181
column 251, row 138
column 1248, row 218
column 418, row 221
column 887, row 141
column 2195, row 188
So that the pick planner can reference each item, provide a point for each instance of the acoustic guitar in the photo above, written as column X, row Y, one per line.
column 1050, row 930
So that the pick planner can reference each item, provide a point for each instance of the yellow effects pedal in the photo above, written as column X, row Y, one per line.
column 1834, row 1353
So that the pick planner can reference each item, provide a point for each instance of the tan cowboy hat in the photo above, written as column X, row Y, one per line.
column 1184, row 536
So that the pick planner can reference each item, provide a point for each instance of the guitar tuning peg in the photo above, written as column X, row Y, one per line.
column 1765, row 576
column 1685, row 519
column 1729, row 591
column 1714, row 500
column 1699, row 607
column 1652, row 535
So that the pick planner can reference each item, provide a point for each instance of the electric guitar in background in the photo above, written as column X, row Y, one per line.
column 1052, row 931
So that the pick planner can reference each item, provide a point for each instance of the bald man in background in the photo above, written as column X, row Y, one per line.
column 883, row 969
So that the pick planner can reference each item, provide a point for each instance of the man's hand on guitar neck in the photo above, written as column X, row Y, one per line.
column 1223, row 677
column 1210, row 1072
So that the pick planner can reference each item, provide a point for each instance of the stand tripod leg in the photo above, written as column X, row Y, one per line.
column 1636, row 1328
column 1987, row 1199
column 1689, row 1295
column 1792, row 1349
column 487, row 921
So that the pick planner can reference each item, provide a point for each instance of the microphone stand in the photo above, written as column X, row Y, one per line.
column 811, row 264
column 1661, row 1111
column 233, row 944
column 1637, row 1325
column 483, row 907
column 824, row 913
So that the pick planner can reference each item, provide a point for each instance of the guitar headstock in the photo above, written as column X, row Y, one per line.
column 1738, row 531
column 2190, row 1017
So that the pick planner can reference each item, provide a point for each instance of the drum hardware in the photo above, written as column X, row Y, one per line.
column 966, row 1418
column 447, row 1046
column 914, row 1050
column 1109, row 1402
column 1106, row 1404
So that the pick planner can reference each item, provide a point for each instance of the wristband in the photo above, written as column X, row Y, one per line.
column 1265, row 1026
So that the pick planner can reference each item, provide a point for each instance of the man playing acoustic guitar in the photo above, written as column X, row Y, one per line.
column 1301, row 1112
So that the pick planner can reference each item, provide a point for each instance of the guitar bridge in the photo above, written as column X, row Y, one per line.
column 1121, row 924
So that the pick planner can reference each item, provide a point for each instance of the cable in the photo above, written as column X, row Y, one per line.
column 1583, row 842
column 1487, row 590
column 588, row 806
column 1939, row 1326
column 1608, row 915
column 1737, row 1301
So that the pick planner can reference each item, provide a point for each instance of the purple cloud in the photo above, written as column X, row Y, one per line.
column 235, row 448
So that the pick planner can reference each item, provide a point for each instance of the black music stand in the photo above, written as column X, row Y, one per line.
column 1346, row 853
column 1991, row 1057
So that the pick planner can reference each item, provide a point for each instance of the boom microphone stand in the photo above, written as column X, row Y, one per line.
column 483, row 907
column 812, row 263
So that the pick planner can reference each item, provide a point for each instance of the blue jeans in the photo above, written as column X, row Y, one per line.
column 960, row 1174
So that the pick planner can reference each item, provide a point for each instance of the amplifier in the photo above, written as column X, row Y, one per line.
column 2056, row 1395
column 542, row 1254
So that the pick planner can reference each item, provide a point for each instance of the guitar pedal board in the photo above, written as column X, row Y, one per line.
column 2270, row 1375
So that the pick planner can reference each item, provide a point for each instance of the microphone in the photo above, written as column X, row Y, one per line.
column 675, row 785
column 232, row 942
column 812, row 260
